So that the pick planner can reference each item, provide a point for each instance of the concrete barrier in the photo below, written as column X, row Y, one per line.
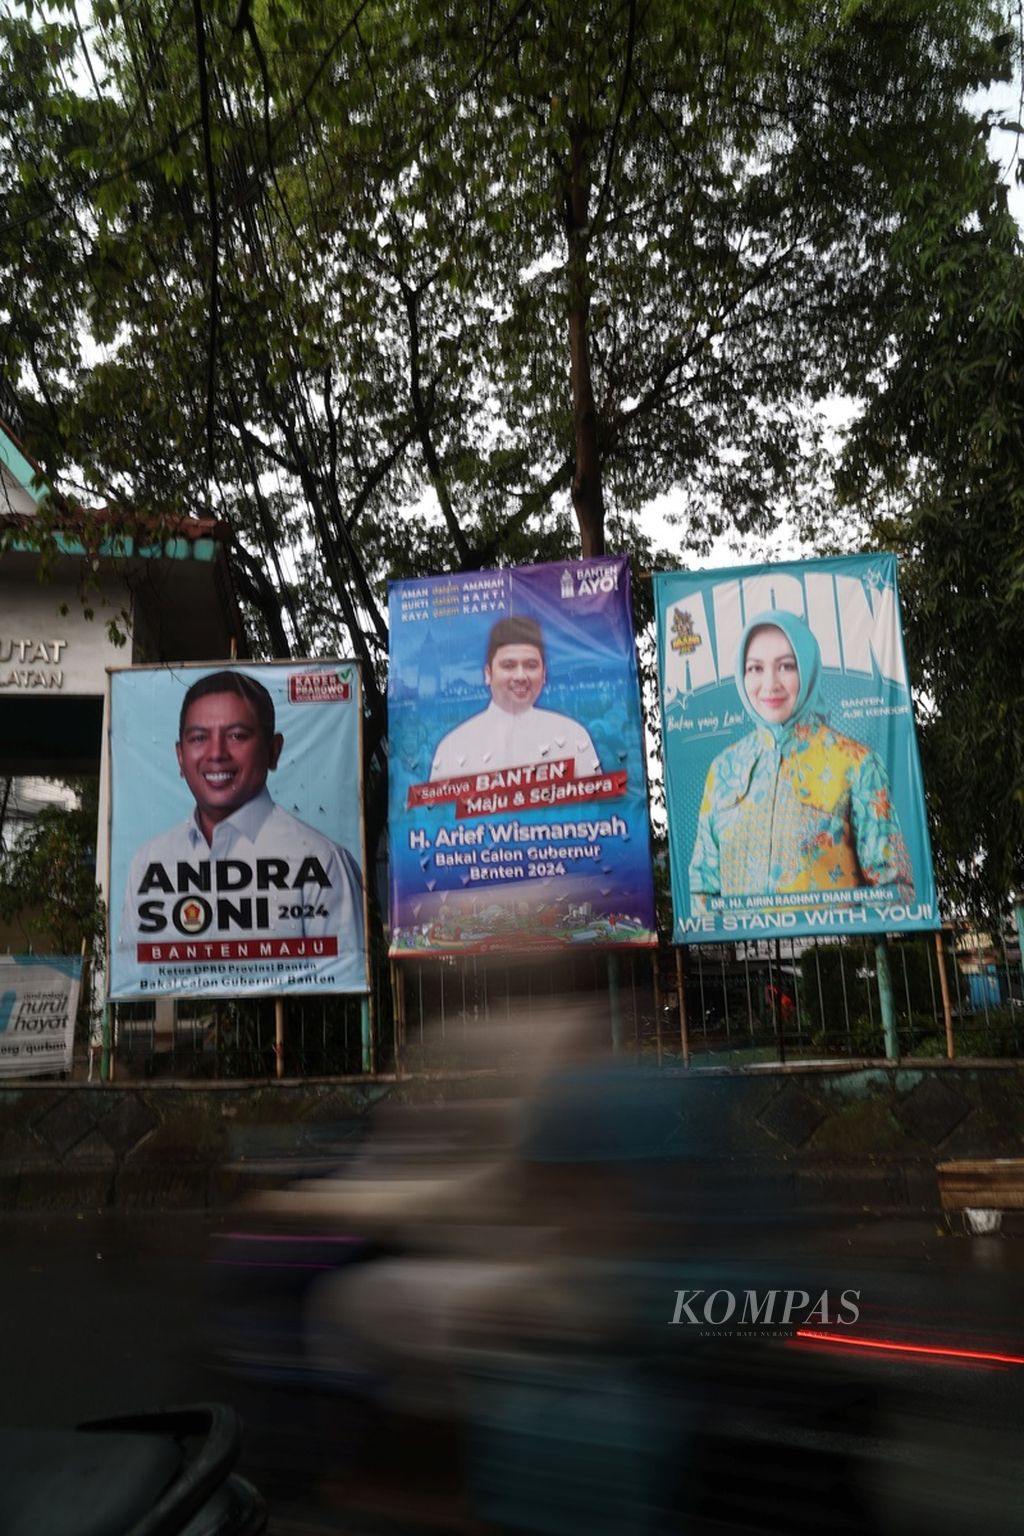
column 843, row 1138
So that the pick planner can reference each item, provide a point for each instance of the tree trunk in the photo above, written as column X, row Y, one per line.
column 587, row 491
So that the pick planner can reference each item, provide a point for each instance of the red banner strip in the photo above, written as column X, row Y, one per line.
column 189, row 951
column 529, row 775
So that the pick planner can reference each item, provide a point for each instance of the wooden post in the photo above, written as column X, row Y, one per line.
column 947, row 1007
column 684, row 1027
column 777, row 1014
column 657, row 1004
column 279, row 1036
column 398, row 1009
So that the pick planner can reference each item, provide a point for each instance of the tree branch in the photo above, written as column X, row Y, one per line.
column 211, row 191
column 422, row 419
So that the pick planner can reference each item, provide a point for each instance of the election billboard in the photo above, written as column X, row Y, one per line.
column 518, row 790
column 38, row 1004
column 237, row 864
column 793, row 782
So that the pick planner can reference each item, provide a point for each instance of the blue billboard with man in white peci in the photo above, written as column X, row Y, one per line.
column 518, row 792
column 793, row 782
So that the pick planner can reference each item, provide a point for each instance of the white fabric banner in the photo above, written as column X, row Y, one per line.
column 38, row 1004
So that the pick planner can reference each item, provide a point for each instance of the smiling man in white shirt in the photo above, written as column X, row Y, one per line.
column 511, row 732
column 239, row 867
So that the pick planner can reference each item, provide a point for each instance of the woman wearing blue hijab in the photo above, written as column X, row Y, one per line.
column 793, row 805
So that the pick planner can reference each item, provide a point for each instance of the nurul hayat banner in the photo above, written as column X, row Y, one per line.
column 236, row 830
column 38, row 1004
column 793, row 783
column 518, row 791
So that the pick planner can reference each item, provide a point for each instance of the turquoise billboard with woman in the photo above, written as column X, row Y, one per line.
column 793, row 783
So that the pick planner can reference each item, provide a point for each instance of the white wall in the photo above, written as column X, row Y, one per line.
column 43, row 651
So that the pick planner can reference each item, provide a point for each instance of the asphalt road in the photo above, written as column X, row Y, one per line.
column 99, row 1314
column 105, row 1313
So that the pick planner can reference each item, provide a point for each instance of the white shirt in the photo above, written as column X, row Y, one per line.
column 326, row 901
column 497, row 739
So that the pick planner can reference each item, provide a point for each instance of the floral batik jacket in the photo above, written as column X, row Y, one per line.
column 811, row 812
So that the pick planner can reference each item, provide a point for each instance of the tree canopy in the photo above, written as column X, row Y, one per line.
column 411, row 287
column 935, row 466
column 48, row 892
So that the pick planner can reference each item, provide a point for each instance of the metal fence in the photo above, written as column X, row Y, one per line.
column 732, row 1005
column 322, row 1037
column 793, row 1001
column 707, row 1005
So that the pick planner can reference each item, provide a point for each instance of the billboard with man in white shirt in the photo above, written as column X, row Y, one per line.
column 518, row 792
column 512, row 731
column 236, row 831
